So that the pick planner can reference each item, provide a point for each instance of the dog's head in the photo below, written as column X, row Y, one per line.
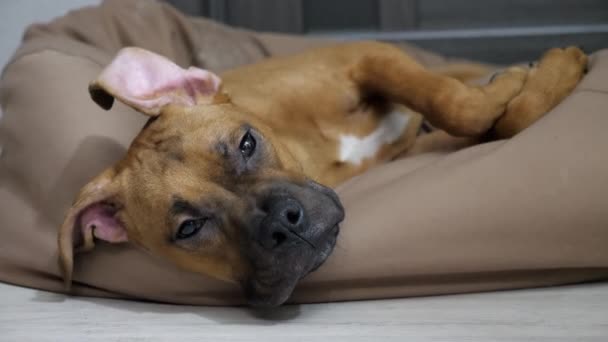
column 205, row 184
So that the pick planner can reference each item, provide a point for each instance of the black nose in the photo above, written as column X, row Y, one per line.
column 284, row 221
column 290, row 213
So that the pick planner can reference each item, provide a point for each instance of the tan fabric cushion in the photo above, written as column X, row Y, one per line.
column 530, row 211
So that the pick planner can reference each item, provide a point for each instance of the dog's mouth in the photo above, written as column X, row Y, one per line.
column 292, row 233
column 276, row 275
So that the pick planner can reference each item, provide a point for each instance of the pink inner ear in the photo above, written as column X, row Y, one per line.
column 99, row 219
column 149, row 81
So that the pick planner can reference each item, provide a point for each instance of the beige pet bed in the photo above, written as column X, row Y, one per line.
column 530, row 211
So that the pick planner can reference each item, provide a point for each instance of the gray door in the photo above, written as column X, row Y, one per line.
column 500, row 31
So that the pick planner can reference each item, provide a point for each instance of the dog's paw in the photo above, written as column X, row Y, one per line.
column 548, row 82
column 570, row 61
column 515, row 73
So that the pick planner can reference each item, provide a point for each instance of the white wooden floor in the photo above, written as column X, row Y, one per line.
column 573, row 313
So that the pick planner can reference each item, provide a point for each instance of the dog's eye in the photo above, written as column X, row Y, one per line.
column 189, row 228
column 247, row 145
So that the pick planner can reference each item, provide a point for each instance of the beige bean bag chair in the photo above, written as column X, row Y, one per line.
column 530, row 211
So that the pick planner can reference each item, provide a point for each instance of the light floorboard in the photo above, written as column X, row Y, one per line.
column 570, row 313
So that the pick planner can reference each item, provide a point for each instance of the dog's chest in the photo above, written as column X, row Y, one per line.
column 354, row 149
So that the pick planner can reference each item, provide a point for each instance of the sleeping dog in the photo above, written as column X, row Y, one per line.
column 232, row 175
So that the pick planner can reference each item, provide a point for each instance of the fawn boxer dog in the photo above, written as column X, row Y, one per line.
column 231, row 176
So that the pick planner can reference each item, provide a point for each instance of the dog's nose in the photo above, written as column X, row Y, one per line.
column 285, row 220
column 290, row 213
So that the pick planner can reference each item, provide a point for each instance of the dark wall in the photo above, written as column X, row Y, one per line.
column 500, row 31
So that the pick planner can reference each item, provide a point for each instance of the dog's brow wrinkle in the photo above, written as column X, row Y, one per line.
column 222, row 149
column 181, row 206
column 171, row 146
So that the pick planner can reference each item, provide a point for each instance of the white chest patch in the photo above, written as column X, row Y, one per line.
column 355, row 149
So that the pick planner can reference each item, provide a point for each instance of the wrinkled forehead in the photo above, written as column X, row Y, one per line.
column 181, row 137
column 197, row 132
column 189, row 149
column 204, row 124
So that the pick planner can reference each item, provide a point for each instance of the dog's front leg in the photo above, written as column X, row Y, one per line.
column 512, row 101
column 447, row 103
column 549, row 81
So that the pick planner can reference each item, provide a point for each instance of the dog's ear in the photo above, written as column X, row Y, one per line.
column 92, row 216
column 147, row 82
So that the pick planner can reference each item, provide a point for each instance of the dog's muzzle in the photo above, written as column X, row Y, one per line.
column 293, row 233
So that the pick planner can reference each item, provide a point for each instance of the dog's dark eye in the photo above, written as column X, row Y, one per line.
column 189, row 228
column 247, row 145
